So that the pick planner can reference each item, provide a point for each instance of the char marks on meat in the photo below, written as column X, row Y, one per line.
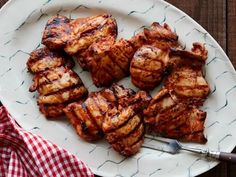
column 115, row 112
column 55, row 81
column 148, row 66
column 174, row 112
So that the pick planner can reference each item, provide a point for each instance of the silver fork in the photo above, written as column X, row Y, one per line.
column 173, row 146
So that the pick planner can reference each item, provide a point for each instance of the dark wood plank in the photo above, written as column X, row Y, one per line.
column 211, row 14
column 231, row 168
column 231, row 50
column 231, row 31
column 2, row 2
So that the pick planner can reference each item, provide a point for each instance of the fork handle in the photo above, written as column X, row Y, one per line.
column 228, row 157
column 222, row 156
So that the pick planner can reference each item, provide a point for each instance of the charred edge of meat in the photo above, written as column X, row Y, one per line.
column 61, row 71
column 184, row 130
column 84, row 131
column 43, row 86
column 123, row 144
column 55, row 28
column 120, row 92
column 164, row 32
column 131, row 107
column 115, row 136
column 198, row 53
column 129, row 151
column 81, row 96
column 197, row 137
column 45, row 53
column 52, row 111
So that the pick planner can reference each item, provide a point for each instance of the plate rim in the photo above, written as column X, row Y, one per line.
column 4, row 102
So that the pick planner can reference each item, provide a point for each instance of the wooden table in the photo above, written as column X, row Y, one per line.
column 218, row 17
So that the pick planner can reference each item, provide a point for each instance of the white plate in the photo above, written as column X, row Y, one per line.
column 22, row 23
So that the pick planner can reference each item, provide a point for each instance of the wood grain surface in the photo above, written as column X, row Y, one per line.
column 218, row 17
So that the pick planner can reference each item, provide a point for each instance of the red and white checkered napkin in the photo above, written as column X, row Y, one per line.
column 23, row 154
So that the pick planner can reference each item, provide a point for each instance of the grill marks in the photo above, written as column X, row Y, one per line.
column 148, row 66
column 89, row 30
column 123, row 125
column 59, row 76
column 43, row 59
column 108, row 61
column 174, row 112
column 115, row 112
column 133, row 138
column 56, row 83
column 57, row 32
column 92, row 40
column 168, row 117
column 67, row 80
column 124, row 130
column 58, row 97
column 156, row 35
column 87, row 117
column 149, row 63
column 77, row 35
column 186, row 81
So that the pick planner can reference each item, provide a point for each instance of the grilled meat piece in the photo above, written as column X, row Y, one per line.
column 166, row 116
column 186, row 81
column 156, row 35
column 54, row 80
column 161, row 36
column 76, row 35
column 148, row 66
column 87, row 117
column 131, row 144
column 57, row 87
column 52, row 111
column 90, row 29
column 188, row 85
column 123, row 125
column 81, row 58
column 109, row 61
column 43, row 59
column 57, row 32
column 56, row 83
column 115, row 112
column 173, row 111
column 198, row 52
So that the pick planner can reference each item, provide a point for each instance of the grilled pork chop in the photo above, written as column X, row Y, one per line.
column 55, row 81
column 76, row 35
column 115, row 112
column 186, row 80
column 148, row 66
column 166, row 116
